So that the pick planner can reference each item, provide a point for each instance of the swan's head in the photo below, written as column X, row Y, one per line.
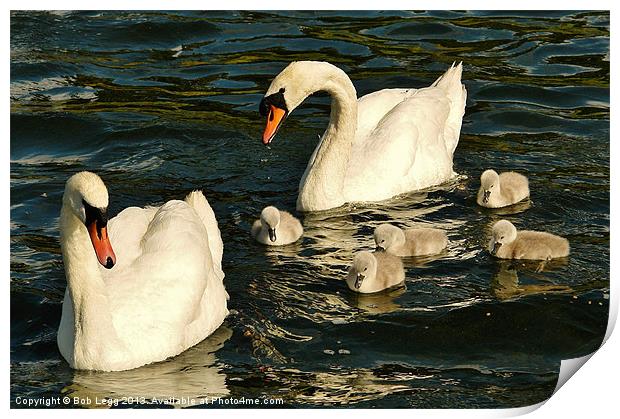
column 87, row 197
column 289, row 89
column 387, row 235
column 364, row 266
column 270, row 218
column 504, row 232
column 488, row 181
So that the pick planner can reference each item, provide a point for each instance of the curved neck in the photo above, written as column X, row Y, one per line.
column 321, row 186
column 373, row 271
column 92, row 320
column 401, row 239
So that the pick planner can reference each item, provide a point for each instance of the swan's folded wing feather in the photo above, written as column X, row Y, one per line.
column 199, row 202
column 388, row 154
column 126, row 231
column 450, row 85
column 372, row 107
column 175, row 258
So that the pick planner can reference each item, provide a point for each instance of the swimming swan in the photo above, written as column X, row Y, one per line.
column 507, row 243
column 158, row 292
column 385, row 143
column 276, row 228
column 374, row 272
column 502, row 190
column 410, row 242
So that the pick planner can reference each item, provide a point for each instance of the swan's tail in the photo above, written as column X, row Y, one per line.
column 450, row 82
column 197, row 200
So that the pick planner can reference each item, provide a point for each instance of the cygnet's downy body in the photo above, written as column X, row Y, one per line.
column 508, row 243
column 410, row 242
column 497, row 191
column 276, row 228
column 374, row 272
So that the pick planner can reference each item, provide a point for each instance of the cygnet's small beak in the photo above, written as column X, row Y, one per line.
column 496, row 247
column 358, row 280
column 485, row 196
column 380, row 248
column 272, row 234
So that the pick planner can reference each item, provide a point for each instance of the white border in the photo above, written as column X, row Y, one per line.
column 592, row 393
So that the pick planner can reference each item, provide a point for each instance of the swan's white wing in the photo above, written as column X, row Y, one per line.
column 450, row 85
column 165, row 285
column 197, row 200
column 405, row 150
column 372, row 107
column 126, row 231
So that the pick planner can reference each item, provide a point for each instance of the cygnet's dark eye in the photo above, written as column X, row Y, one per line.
column 365, row 269
column 501, row 238
column 383, row 241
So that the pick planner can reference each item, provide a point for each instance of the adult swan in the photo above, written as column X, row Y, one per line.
column 157, row 293
column 385, row 143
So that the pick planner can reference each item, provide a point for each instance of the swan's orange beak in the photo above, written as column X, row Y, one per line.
column 101, row 243
column 275, row 116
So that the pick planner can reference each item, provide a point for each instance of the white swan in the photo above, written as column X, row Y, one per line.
column 276, row 228
column 497, row 191
column 410, row 242
column 374, row 272
column 386, row 143
column 507, row 243
column 162, row 291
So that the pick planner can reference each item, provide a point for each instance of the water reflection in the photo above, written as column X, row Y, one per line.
column 517, row 208
column 378, row 303
column 194, row 374
column 505, row 284
column 340, row 386
column 302, row 293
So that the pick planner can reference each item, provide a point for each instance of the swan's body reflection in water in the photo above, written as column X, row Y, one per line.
column 505, row 285
column 192, row 374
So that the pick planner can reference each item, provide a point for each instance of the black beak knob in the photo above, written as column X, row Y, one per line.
column 272, row 234
column 358, row 280
column 485, row 196
column 496, row 247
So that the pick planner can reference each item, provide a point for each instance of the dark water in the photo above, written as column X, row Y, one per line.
column 160, row 103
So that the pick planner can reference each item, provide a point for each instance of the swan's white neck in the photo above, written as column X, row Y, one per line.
column 93, row 329
column 321, row 186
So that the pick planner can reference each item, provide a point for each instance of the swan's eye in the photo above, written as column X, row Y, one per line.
column 365, row 269
column 383, row 241
column 501, row 238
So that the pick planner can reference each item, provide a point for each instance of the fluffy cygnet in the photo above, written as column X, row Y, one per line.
column 374, row 272
column 276, row 228
column 502, row 190
column 410, row 242
column 508, row 243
